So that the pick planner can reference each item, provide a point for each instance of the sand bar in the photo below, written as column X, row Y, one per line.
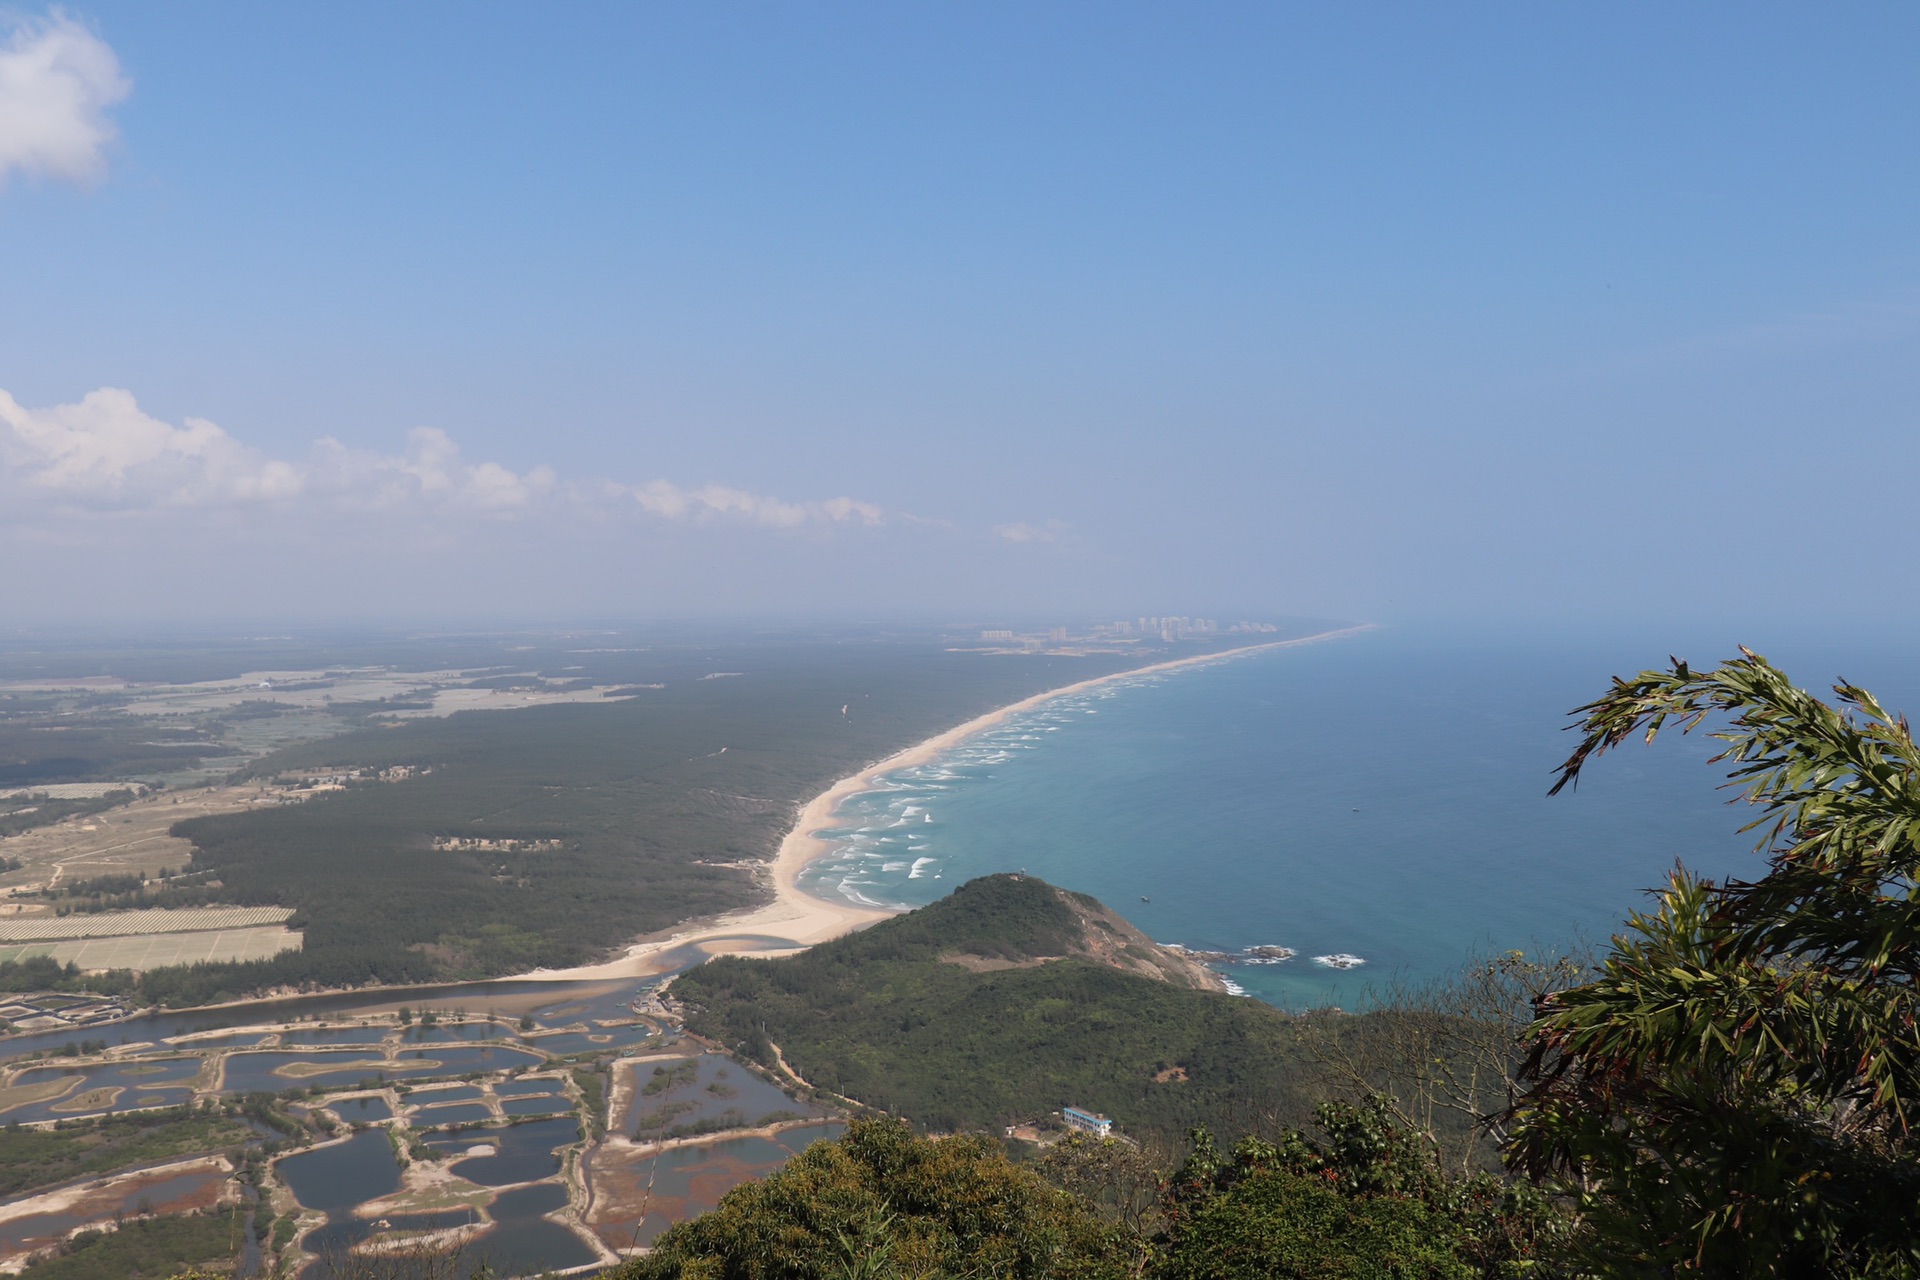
column 800, row 918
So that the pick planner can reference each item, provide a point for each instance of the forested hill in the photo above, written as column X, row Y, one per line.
column 1004, row 1001
column 1017, row 922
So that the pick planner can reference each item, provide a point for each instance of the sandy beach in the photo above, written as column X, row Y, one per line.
column 799, row 919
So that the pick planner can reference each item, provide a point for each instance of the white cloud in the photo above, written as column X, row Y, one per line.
column 850, row 509
column 430, row 473
column 57, row 80
column 106, row 454
column 714, row 501
column 1051, row 531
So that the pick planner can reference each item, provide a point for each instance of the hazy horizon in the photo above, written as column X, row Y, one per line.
column 1454, row 318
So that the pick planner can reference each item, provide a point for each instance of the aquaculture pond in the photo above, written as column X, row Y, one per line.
column 334, row 1179
column 102, row 1087
column 451, row 1093
column 688, row 1181
column 331, row 1242
column 260, row 1071
column 529, row 1084
column 523, row 1241
column 263, row 1069
column 474, row 997
column 240, row 1038
column 679, row 1096
column 452, row 1114
column 522, row 1152
column 446, row 1032
column 143, row 1073
column 519, row 1242
column 564, row 1043
column 536, row 1105
column 458, row 1060
column 335, row 1035
column 366, row 1107
column 605, row 1005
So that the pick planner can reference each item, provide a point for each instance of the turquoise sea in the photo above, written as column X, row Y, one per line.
column 1381, row 797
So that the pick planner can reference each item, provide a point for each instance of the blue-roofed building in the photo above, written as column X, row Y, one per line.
column 1087, row 1122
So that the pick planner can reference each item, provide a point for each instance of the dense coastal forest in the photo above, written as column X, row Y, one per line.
column 617, row 820
column 543, row 836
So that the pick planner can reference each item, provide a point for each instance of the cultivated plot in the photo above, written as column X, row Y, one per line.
column 114, row 924
column 158, row 950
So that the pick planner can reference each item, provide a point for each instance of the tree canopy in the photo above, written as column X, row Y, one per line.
column 883, row 1203
column 1369, row 1201
column 1732, row 1093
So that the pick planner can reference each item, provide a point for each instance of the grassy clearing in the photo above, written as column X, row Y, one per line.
column 91, row 1099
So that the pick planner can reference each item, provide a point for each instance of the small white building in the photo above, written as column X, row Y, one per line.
column 1087, row 1122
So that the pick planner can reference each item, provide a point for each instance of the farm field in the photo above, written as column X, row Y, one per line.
column 116, row 924
column 66, row 790
column 144, row 951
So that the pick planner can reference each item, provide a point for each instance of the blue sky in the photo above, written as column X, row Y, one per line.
column 1533, row 314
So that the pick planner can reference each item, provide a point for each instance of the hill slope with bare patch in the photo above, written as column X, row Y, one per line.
column 1006, row 1000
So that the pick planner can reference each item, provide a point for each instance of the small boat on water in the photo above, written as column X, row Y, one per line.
column 1145, row 898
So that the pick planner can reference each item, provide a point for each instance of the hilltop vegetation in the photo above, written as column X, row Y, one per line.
column 1365, row 1201
column 882, row 1203
column 906, row 1018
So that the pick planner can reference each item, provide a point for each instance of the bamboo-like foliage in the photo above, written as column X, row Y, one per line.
column 1732, row 1094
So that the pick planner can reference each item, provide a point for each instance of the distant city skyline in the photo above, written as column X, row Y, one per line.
column 456, row 313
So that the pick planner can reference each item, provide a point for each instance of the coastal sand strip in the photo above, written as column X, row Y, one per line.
column 803, row 919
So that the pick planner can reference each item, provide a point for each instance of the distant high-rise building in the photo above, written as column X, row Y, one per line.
column 996, row 635
column 1058, row 635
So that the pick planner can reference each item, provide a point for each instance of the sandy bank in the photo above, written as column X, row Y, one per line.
column 99, row 1194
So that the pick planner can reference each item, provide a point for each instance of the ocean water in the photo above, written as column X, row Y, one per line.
column 1382, row 797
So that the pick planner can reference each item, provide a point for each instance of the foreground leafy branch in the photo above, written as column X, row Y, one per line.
column 1733, row 1093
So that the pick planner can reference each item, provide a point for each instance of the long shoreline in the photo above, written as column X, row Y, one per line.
column 801, row 919
column 795, row 919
